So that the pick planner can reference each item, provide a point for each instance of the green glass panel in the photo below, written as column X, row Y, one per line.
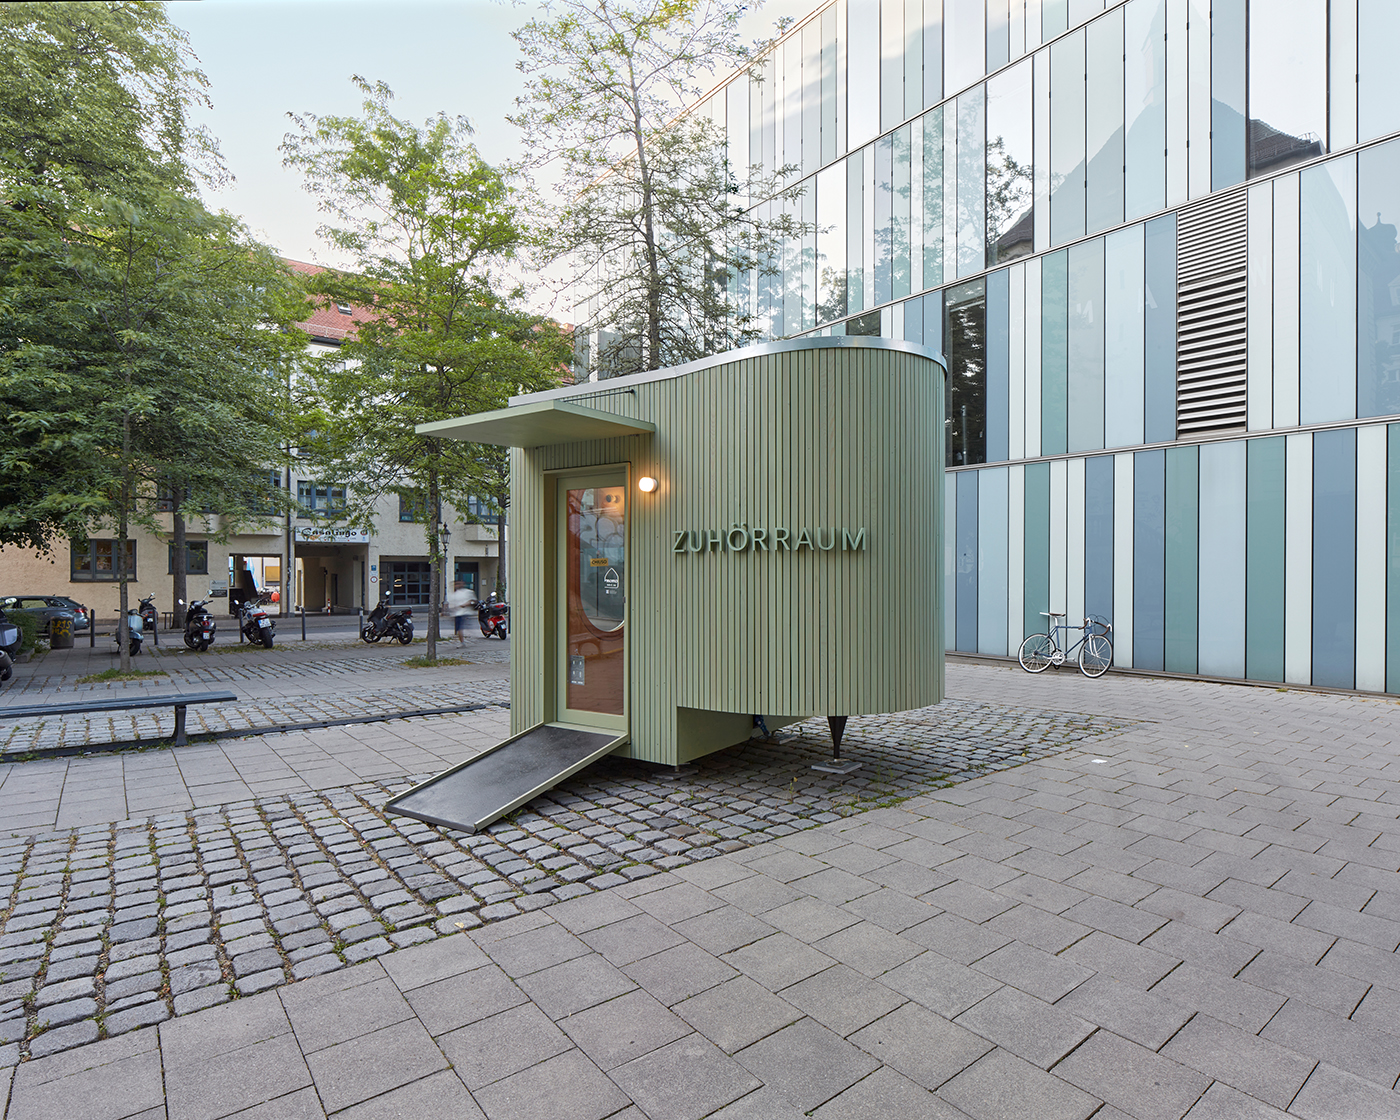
column 1037, row 570
column 1183, row 496
column 1392, row 563
column 1264, row 551
column 1054, row 353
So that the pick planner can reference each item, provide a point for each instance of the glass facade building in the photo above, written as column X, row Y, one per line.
column 1157, row 241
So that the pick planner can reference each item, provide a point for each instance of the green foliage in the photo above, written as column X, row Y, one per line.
column 660, row 230
column 29, row 627
column 428, row 225
column 143, row 339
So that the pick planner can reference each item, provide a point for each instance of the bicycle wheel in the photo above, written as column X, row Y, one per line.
column 1035, row 653
column 1095, row 655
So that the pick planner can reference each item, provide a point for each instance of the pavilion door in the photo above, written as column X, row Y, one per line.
column 591, row 610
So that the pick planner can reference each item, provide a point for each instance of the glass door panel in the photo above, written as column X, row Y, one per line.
column 594, row 596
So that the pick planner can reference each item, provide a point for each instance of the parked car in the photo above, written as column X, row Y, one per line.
column 46, row 608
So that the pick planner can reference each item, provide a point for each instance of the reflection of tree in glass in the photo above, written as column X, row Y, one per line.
column 1378, row 292
column 1010, row 196
column 966, row 335
column 833, row 291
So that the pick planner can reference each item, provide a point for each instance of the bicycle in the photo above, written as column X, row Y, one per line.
column 1039, row 651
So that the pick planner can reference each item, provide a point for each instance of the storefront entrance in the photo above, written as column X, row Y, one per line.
column 592, row 599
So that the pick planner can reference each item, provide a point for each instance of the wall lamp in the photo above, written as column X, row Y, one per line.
column 646, row 484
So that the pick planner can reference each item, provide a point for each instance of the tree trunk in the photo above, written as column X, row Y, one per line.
column 179, row 589
column 123, row 631
column 435, row 548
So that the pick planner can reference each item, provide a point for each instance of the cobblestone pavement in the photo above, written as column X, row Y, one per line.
column 107, row 928
column 278, row 687
column 1130, row 897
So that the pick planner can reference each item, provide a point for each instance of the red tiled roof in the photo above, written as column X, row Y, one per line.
column 328, row 324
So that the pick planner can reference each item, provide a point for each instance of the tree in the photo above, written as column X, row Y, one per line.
column 428, row 224
column 135, row 347
column 656, row 224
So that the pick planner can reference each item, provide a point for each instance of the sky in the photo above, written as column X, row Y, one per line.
column 266, row 58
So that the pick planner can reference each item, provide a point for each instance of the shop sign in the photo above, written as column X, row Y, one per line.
column 742, row 538
column 330, row 535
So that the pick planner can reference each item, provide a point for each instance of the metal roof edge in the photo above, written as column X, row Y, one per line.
column 827, row 342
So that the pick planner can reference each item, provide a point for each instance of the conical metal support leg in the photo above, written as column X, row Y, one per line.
column 837, row 765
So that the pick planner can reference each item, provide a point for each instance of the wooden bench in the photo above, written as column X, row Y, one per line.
column 180, row 701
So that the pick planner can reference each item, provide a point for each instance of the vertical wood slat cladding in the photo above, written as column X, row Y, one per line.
column 838, row 437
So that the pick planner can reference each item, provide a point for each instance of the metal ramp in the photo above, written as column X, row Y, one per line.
column 474, row 793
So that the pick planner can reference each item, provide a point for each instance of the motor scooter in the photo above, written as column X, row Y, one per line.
column 493, row 617
column 254, row 622
column 9, row 639
column 199, row 625
column 387, row 621
column 135, row 629
column 150, row 617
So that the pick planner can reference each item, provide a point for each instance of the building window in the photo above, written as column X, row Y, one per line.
column 412, row 507
column 320, row 497
column 482, row 509
column 96, row 560
column 196, row 558
column 965, row 334
column 410, row 582
column 343, row 308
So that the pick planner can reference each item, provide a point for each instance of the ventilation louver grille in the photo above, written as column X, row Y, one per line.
column 1211, row 294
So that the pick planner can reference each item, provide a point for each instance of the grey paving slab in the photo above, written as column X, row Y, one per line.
column 886, row 1093
column 1179, row 808
column 1001, row 1086
column 439, row 1094
column 807, row 1063
column 922, row 1046
column 373, row 1063
column 568, row 1087
column 684, row 1080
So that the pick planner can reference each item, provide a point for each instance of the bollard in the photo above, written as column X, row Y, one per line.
column 302, row 610
column 92, row 627
column 61, row 633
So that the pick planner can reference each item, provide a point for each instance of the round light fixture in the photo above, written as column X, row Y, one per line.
column 646, row 484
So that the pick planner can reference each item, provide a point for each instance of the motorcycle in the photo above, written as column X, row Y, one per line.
column 150, row 617
column 494, row 618
column 135, row 629
column 199, row 625
column 254, row 622
column 9, row 640
column 387, row 621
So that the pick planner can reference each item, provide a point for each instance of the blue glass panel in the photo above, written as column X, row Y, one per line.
column 964, row 43
column 967, row 560
column 1098, row 536
column 1378, row 78
column 1037, row 546
column 1145, row 99
column 899, row 215
column 884, row 211
column 1086, row 345
column 998, row 366
column 1222, row 565
column 933, row 52
column 1067, row 111
column 1287, row 83
column 891, row 63
column 1054, row 353
column 1378, row 281
column 855, row 295
column 1327, row 292
column 1149, row 558
column 972, row 181
column 1334, row 559
column 1392, row 560
column 1183, row 559
column 1264, row 552
column 1227, row 119
column 1103, row 200
column 914, row 320
column 1159, row 332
